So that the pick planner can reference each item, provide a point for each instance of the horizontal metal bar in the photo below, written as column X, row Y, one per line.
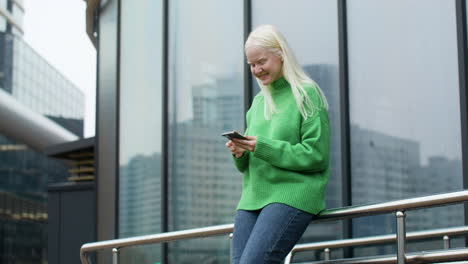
column 418, row 257
column 399, row 205
column 156, row 238
column 454, row 231
column 329, row 215
column 381, row 239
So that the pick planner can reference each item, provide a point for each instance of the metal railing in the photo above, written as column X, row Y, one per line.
column 444, row 234
column 452, row 256
column 116, row 244
column 398, row 207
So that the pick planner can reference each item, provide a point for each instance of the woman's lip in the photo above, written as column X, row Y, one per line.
column 263, row 76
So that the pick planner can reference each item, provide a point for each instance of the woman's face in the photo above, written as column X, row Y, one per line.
column 265, row 66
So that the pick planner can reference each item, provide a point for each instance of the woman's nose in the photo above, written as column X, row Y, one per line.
column 258, row 69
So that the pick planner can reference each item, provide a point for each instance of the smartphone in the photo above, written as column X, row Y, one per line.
column 233, row 134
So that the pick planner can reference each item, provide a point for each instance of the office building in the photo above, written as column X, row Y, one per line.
column 31, row 84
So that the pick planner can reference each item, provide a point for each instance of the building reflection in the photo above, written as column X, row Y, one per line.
column 140, row 200
column 205, row 186
column 388, row 168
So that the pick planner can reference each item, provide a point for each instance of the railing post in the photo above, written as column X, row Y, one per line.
column 446, row 242
column 401, row 237
column 85, row 259
column 288, row 258
column 115, row 256
column 327, row 253
column 230, row 248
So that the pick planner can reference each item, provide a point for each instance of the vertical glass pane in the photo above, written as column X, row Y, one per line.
column 404, row 108
column 206, row 99
column 312, row 33
column 140, row 125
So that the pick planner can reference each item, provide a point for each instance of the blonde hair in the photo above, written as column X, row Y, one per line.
column 269, row 38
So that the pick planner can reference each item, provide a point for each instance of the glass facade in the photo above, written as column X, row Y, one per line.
column 6, row 62
column 25, row 173
column 140, row 126
column 316, row 48
column 401, row 77
column 404, row 109
column 43, row 88
column 24, row 176
column 205, row 100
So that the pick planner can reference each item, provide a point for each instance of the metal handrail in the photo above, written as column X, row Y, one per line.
column 328, row 215
column 156, row 238
column 394, row 206
column 438, row 256
column 382, row 239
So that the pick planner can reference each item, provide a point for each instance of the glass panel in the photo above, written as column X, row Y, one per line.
column 206, row 99
column 404, row 108
column 314, row 40
column 140, row 125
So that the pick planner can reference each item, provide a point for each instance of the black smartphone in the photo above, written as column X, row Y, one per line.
column 233, row 134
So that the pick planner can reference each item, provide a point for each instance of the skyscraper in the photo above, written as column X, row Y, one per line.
column 25, row 173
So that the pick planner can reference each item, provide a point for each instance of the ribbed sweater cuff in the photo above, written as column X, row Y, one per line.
column 240, row 162
column 263, row 150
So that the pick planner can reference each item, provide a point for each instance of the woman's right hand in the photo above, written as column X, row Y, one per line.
column 235, row 149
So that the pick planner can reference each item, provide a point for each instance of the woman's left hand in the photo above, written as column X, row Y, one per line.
column 248, row 144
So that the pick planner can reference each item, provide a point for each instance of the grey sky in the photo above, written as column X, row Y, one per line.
column 56, row 29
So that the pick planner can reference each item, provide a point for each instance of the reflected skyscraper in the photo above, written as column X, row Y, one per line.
column 436, row 177
column 382, row 163
column 383, row 166
column 392, row 166
column 206, row 185
column 142, row 183
column 140, row 195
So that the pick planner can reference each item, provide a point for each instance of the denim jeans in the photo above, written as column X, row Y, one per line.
column 266, row 236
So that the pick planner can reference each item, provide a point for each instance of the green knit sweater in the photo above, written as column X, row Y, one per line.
column 290, row 162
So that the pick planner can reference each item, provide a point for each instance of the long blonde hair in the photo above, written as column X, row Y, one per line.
column 269, row 38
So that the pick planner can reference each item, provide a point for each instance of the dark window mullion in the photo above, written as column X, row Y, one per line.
column 248, row 89
column 345, row 118
column 165, row 132
column 463, row 71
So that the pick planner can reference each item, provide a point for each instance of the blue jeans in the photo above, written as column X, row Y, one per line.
column 266, row 236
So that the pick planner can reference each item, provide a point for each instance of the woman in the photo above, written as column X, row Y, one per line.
column 285, row 159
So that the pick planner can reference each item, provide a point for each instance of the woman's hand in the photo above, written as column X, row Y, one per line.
column 248, row 144
column 235, row 149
